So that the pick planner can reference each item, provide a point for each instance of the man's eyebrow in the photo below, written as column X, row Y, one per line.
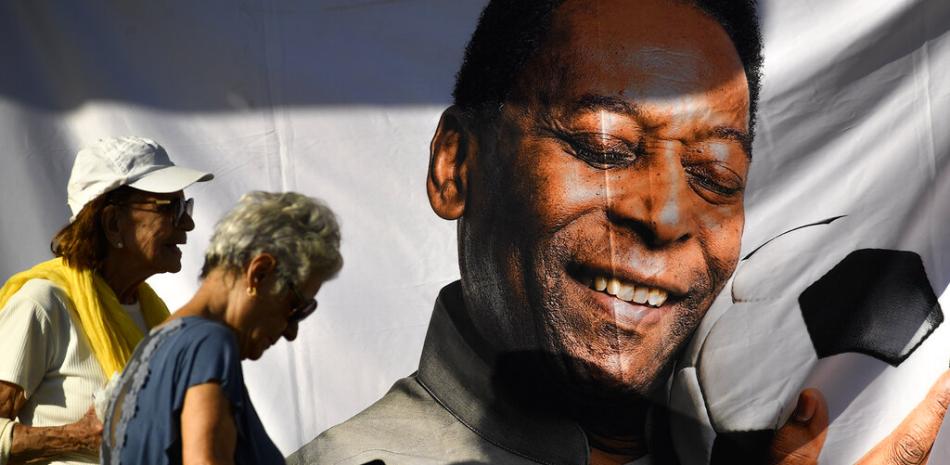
column 730, row 133
column 592, row 102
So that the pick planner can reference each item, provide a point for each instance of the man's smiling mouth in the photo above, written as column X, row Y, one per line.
column 626, row 287
column 627, row 291
column 627, row 301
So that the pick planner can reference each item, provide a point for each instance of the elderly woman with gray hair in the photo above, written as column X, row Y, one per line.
column 182, row 398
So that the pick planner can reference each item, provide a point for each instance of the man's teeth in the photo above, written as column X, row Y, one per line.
column 642, row 294
column 629, row 292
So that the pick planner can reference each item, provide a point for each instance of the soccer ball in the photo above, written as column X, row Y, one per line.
column 833, row 305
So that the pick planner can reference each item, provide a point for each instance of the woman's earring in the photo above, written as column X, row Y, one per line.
column 251, row 291
column 118, row 245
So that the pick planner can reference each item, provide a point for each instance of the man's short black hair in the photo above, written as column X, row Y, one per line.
column 510, row 32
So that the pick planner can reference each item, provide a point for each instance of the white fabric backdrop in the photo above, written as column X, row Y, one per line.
column 338, row 99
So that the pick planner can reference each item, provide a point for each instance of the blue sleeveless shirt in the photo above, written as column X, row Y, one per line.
column 143, row 422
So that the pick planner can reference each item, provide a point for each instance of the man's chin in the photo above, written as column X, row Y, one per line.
column 598, row 400
column 542, row 378
column 614, row 384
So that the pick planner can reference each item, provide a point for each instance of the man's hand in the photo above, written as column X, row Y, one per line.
column 799, row 442
column 911, row 442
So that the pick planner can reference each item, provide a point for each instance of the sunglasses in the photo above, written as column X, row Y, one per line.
column 303, row 309
column 177, row 206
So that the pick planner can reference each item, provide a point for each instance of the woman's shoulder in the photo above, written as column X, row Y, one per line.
column 193, row 350
column 200, row 325
column 199, row 333
column 41, row 298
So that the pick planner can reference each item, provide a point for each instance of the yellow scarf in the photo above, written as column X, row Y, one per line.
column 108, row 328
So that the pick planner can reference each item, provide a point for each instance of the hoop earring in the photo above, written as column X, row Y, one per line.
column 251, row 291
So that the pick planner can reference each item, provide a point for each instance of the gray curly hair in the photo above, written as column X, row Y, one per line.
column 299, row 231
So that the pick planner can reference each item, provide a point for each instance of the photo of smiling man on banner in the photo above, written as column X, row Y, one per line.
column 595, row 160
column 687, row 232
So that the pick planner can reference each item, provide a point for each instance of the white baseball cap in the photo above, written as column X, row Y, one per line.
column 125, row 161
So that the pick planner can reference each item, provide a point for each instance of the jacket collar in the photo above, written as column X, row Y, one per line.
column 456, row 369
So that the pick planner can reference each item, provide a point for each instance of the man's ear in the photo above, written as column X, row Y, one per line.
column 452, row 151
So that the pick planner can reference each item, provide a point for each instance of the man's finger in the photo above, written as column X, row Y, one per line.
column 799, row 442
column 911, row 442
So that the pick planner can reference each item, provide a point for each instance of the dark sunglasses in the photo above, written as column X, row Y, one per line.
column 303, row 309
column 177, row 206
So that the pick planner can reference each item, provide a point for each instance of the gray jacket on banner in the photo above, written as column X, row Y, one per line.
column 451, row 411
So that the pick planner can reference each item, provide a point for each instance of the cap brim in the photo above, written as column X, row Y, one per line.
column 170, row 179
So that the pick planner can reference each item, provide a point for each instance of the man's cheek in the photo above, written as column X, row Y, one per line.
column 721, row 229
column 563, row 194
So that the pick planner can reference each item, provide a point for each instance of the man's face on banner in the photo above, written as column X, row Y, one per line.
column 606, row 201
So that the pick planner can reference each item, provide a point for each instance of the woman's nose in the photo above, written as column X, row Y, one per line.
column 290, row 333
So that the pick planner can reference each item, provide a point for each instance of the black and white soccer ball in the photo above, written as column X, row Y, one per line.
column 833, row 305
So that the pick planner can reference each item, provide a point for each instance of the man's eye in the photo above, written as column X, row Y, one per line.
column 714, row 181
column 602, row 151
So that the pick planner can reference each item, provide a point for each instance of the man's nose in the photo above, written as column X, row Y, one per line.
column 653, row 200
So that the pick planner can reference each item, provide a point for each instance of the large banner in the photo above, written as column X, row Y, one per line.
column 630, row 251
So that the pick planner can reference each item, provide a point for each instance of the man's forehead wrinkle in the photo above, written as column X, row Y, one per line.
column 669, row 66
column 648, row 56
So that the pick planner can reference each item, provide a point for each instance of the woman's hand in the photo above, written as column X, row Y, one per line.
column 86, row 433
column 11, row 400
column 799, row 442
column 44, row 443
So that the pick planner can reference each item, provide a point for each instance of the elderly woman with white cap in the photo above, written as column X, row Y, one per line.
column 69, row 323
